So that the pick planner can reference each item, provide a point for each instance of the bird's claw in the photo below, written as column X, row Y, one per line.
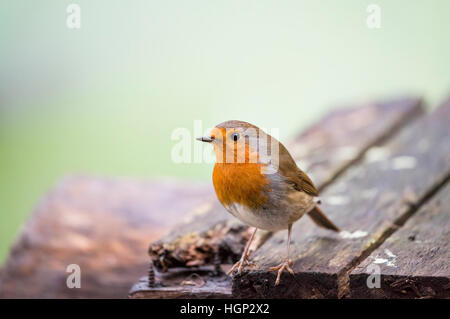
column 240, row 265
column 285, row 265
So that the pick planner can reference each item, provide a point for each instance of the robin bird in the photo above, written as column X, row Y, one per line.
column 258, row 182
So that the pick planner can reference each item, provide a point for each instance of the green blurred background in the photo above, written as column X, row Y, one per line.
column 104, row 99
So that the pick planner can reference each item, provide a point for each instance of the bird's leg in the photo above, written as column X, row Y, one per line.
column 286, row 263
column 244, row 258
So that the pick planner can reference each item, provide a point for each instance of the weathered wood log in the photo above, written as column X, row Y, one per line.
column 369, row 201
column 324, row 150
column 102, row 225
column 415, row 261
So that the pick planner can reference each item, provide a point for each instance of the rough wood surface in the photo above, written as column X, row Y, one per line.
column 324, row 150
column 202, row 282
column 368, row 201
column 104, row 226
column 415, row 261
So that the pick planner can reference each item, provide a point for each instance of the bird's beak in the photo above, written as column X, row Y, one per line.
column 207, row 139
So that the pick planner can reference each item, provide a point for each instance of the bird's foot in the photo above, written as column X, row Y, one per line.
column 240, row 265
column 285, row 265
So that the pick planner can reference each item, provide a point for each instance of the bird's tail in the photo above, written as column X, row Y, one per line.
column 321, row 219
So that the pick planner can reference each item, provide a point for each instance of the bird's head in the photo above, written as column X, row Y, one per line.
column 240, row 142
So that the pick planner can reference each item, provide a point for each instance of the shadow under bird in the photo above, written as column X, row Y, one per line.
column 258, row 182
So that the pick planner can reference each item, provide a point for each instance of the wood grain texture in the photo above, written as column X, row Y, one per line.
column 325, row 150
column 368, row 201
column 415, row 261
column 103, row 225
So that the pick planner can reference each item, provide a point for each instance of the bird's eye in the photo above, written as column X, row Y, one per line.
column 235, row 136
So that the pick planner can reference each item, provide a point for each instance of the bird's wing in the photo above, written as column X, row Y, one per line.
column 301, row 182
column 289, row 169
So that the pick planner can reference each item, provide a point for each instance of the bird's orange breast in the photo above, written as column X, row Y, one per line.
column 241, row 183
